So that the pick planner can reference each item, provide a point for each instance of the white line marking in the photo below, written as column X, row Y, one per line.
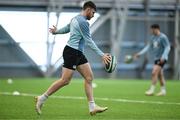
column 103, row 99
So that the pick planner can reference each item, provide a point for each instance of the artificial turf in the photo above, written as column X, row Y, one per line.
column 124, row 98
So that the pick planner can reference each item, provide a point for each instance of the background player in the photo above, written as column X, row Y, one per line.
column 160, row 47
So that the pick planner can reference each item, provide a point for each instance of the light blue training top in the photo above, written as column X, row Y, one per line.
column 159, row 46
column 79, row 34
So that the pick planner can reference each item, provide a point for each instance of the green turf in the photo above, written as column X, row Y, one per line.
column 21, row 107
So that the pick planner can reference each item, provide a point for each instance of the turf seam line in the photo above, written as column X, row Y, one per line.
column 103, row 99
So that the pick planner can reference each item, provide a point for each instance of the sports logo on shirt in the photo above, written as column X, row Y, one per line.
column 155, row 44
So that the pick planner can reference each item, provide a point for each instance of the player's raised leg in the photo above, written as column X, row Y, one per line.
column 65, row 80
column 162, row 83
column 86, row 72
column 155, row 72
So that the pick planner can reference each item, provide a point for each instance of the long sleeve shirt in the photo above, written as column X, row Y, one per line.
column 79, row 34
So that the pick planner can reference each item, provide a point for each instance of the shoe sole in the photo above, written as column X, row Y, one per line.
column 94, row 112
column 149, row 94
column 161, row 95
column 36, row 99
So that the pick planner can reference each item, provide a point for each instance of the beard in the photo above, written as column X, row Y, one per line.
column 88, row 18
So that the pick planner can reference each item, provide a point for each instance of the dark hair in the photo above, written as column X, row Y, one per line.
column 155, row 26
column 89, row 4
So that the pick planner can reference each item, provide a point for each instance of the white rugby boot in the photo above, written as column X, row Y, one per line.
column 98, row 109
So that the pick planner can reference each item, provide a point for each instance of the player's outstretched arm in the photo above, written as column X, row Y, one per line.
column 85, row 32
column 143, row 51
column 63, row 30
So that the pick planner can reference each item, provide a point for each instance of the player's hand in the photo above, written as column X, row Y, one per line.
column 53, row 29
column 136, row 56
column 161, row 61
column 106, row 58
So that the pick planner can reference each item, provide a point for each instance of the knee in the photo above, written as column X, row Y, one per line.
column 161, row 73
column 65, row 81
column 154, row 73
column 89, row 79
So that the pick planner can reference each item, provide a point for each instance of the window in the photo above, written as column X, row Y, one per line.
column 29, row 29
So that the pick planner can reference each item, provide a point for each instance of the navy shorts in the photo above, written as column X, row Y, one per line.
column 73, row 58
column 157, row 62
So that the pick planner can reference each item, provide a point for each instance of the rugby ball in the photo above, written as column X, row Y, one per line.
column 110, row 67
column 128, row 59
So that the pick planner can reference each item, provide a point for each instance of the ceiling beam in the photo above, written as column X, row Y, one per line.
column 102, row 4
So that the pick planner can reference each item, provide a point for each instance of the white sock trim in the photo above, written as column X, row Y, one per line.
column 152, row 88
column 91, row 105
column 163, row 89
column 43, row 97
